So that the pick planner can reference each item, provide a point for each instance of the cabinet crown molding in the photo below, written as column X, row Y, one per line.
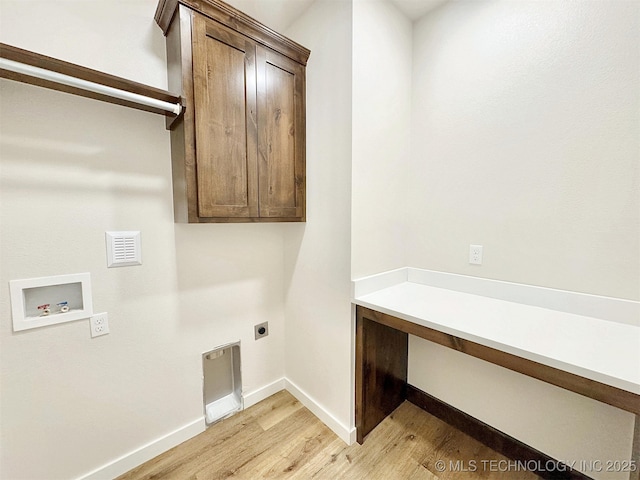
column 237, row 20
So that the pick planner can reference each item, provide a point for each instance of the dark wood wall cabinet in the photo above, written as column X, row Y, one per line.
column 238, row 152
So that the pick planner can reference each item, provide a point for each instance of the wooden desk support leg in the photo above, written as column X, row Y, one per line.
column 381, row 372
column 635, row 451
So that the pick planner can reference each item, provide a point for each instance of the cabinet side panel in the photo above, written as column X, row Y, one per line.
column 301, row 144
column 178, row 42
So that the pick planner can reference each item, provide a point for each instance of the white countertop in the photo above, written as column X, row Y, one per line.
column 602, row 350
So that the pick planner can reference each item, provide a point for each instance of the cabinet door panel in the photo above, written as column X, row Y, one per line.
column 281, row 147
column 279, row 132
column 224, row 65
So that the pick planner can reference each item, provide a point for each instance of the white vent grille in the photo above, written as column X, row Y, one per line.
column 123, row 249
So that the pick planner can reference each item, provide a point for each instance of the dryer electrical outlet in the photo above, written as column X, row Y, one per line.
column 261, row 330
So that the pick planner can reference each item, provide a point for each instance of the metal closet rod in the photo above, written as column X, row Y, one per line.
column 29, row 67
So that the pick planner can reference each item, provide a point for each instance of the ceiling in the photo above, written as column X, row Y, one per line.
column 279, row 14
column 415, row 9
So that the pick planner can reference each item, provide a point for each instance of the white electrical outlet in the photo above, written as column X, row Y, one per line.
column 99, row 324
column 475, row 254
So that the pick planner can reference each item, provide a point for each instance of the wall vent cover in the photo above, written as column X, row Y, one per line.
column 123, row 249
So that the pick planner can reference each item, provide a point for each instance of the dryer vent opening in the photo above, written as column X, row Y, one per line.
column 222, row 382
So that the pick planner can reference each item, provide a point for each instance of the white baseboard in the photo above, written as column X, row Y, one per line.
column 260, row 394
column 154, row 448
column 348, row 435
column 145, row 453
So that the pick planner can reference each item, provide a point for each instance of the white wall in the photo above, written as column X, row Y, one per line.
column 526, row 137
column 71, row 169
column 526, row 134
column 382, row 66
column 317, row 304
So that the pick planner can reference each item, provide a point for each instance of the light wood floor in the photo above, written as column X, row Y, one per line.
column 278, row 438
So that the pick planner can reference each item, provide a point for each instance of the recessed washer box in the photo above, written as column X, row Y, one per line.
column 37, row 302
column 222, row 382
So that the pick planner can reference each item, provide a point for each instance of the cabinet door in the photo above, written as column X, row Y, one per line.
column 281, row 135
column 224, row 69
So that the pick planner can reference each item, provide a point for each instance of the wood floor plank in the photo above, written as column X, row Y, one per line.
column 322, row 462
column 278, row 412
column 405, row 459
column 239, row 456
column 421, row 473
column 279, row 438
column 269, row 457
column 287, row 459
